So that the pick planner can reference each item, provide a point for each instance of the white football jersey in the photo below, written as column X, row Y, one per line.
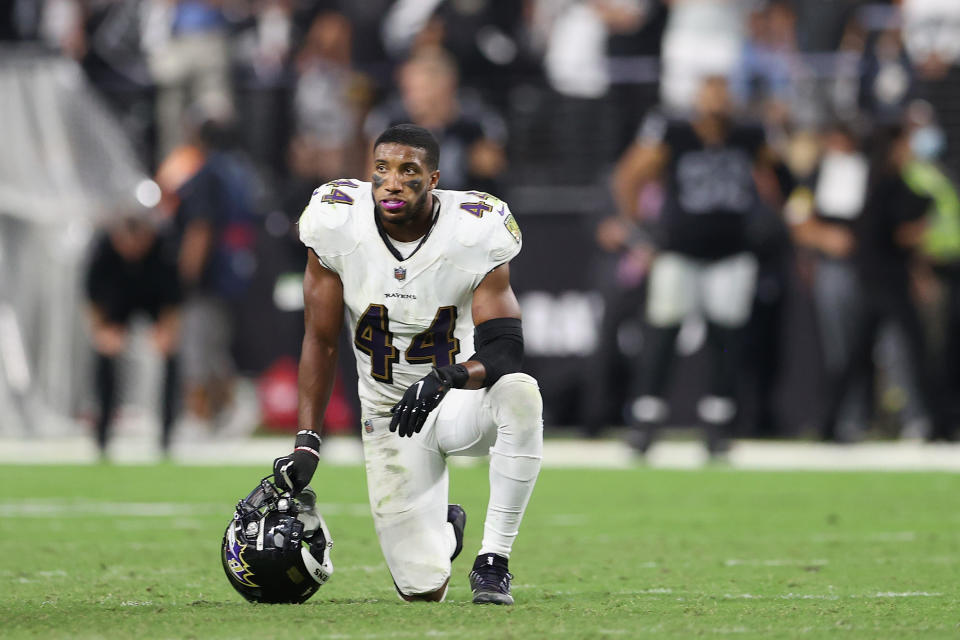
column 409, row 315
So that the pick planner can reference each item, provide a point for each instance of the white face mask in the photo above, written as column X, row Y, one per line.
column 927, row 142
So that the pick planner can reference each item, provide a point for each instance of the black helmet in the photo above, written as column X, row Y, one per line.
column 277, row 548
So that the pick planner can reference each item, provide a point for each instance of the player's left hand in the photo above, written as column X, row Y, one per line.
column 418, row 401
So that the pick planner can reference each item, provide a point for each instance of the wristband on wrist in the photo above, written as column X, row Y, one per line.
column 308, row 441
column 456, row 374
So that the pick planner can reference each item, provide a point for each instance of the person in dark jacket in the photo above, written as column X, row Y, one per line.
column 130, row 273
column 886, row 238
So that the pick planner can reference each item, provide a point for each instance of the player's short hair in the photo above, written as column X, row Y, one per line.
column 413, row 136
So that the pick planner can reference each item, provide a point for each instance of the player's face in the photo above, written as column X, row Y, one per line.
column 713, row 99
column 401, row 183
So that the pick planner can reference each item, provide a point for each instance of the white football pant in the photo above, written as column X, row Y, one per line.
column 408, row 484
column 722, row 290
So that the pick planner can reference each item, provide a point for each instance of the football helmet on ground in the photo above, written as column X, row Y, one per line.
column 277, row 548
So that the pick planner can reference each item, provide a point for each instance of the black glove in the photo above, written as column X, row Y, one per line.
column 423, row 396
column 293, row 472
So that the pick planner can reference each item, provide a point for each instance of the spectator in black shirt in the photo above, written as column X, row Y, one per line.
column 886, row 237
column 129, row 274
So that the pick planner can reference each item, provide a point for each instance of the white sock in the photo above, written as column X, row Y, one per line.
column 514, row 461
column 511, row 483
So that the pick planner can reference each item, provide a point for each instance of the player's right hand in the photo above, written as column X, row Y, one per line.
column 293, row 472
column 418, row 401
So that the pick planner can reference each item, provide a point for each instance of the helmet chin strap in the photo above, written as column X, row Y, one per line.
column 319, row 572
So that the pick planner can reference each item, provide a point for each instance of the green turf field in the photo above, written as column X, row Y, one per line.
column 132, row 552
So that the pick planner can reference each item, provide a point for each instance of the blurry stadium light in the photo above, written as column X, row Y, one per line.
column 277, row 224
column 288, row 292
column 496, row 45
column 148, row 193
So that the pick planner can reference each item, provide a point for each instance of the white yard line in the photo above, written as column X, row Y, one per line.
column 58, row 508
column 813, row 596
column 432, row 633
column 775, row 562
column 878, row 536
column 558, row 453
column 687, row 595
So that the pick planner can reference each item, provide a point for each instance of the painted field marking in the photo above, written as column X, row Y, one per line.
column 784, row 596
column 814, row 596
column 775, row 562
column 663, row 591
column 607, row 453
column 36, row 576
column 875, row 536
column 59, row 508
column 924, row 560
column 432, row 633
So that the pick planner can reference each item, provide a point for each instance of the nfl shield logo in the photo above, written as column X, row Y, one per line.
column 400, row 273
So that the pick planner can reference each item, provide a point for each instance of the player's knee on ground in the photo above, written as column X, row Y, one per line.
column 419, row 574
column 417, row 550
column 438, row 595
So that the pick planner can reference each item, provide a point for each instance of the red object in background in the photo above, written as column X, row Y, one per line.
column 277, row 391
column 339, row 417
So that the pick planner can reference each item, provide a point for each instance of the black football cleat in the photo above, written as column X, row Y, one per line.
column 457, row 517
column 490, row 580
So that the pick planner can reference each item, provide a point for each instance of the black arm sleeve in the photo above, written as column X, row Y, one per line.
column 499, row 344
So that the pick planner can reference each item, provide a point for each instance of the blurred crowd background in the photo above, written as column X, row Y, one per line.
column 157, row 154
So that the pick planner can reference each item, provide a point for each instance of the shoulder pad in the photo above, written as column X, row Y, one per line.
column 326, row 223
column 486, row 230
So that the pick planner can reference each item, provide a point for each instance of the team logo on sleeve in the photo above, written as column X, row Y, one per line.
column 400, row 273
column 511, row 224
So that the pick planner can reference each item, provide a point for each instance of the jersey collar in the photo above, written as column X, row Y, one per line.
column 386, row 241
